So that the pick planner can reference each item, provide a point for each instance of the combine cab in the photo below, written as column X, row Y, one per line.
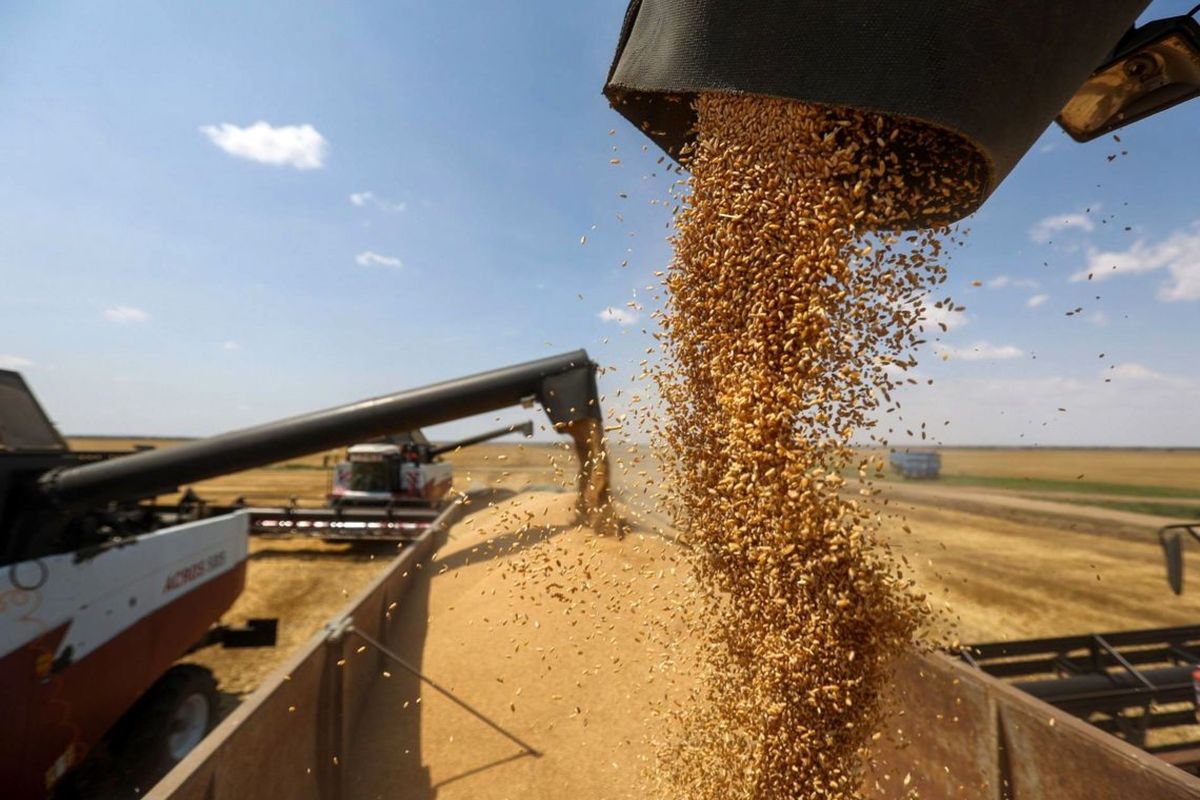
column 402, row 470
column 379, row 474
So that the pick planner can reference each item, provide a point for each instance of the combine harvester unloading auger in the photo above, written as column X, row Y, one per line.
column 102, row 591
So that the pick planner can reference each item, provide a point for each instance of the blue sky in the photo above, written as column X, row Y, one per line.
column 413, row 205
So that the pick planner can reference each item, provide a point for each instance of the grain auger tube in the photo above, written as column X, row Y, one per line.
column 45, row 502
column 525, row 429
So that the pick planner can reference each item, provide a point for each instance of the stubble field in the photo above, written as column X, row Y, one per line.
column 998, row 561
column 1014, row 557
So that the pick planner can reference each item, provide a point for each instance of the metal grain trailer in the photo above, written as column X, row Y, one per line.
column 956, row 733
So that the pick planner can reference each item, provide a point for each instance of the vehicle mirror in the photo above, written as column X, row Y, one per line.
column 1153, row 68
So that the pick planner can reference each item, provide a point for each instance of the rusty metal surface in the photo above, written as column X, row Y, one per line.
column 968, row 735
column 940, row 740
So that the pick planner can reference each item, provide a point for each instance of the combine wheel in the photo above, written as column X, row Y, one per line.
column 168, row 722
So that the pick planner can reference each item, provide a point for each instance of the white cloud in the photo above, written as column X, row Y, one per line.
column 14, row 362
column 1098, row 318
column 368, row 258
column 988, row 410
column 230, row 345
column 1036, row 300
column 979, row 351
column 618, row 315
column 935, row 317
column 299, row 146
column 363, row 199
column 1002, row 281
column 123, row 315
column 1132, row 371
column 1178, row 254
column 1043, row 230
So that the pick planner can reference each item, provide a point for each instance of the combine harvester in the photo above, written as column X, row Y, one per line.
column 389, row 489
column 101, row 591
column 404, row 469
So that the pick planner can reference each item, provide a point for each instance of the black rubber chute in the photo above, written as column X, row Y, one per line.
column 993, row 72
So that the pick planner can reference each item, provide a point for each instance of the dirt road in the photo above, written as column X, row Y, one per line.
column 1033, row 510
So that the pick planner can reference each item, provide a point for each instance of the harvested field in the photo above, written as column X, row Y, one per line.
column 1123, row 473
column 1005, row 574
column 1005, row 579
column 1050, row 511
column 1149, row 468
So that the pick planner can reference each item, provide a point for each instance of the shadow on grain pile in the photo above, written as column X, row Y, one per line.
column 542, row 627
column 400, row 699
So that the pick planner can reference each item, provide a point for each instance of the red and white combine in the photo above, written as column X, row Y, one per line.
column 380, row 473
column 402, row 470
column 102, row 591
